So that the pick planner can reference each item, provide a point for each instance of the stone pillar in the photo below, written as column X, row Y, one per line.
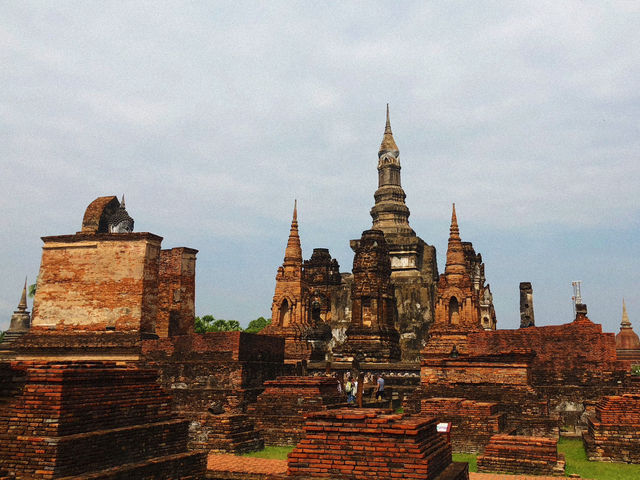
column 526, row 305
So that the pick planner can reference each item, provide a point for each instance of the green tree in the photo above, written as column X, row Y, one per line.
column 1, row 336
column 31, row 290
column 204, row 324
column 258, row 324
column 210, row 324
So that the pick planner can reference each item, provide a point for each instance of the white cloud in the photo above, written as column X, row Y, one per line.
column 212, row 118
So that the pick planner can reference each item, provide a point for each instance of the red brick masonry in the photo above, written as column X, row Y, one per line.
column 231, row 467
column 614, row 435
column 91, row 420
column 472, row 423
column 515, row 454
column 279, row 412
column 364, row 443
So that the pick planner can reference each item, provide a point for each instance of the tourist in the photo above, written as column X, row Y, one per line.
column 349, row 390
column 380, row 388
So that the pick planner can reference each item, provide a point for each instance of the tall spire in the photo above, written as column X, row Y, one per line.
column 22, row 306
column 456, row 264
column 293, row 252
column 388, row 144
column 295, row 211
column 625, row 317
column 122, row 202
column 454, row 231
column 390, row 214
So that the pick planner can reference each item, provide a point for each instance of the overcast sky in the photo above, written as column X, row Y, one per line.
column 213, row 116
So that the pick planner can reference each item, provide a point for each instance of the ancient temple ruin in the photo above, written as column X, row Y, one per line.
column 304, row 298
column 464, row 303
column 371, row 336
column 627, row 341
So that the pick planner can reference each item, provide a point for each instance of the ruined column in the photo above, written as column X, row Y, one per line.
column 526, row 305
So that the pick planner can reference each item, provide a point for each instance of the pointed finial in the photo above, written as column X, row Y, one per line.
column 388, row 143
column 454, row 231
column 293, row 252
column 122, row 202
column 22, row 306
column 387, row 127
column 625, row 317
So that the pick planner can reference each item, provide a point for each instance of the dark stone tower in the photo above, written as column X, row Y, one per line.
column 322, row 275
column 372, row 332
column 414, row 271
column 526, row 305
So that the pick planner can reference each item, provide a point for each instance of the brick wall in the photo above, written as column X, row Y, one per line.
column 280, row 409
column 95, row 281
column 576, row 353
column 75, row 418
column 364, row 443
column 213, row 377
column 243, row 360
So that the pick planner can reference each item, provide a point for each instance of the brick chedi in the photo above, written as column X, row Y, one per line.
column 627, row 341
column 104, row 289
column 289, row 310
column 79, row 420
column 20, row 320
column 365, row 443
column 614, row 433
column 280, row 410
column 414, row 269
column 371, row 335
column 460, row 290
column 523, row 455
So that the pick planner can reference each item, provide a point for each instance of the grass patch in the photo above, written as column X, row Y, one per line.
column 470, row 458
column 572, row 448
column 272, row 452
column 576, row 457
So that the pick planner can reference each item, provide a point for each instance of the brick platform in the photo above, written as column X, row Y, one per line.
column 527, row 455
column 363, row 443
column 279, row 412
column 230, row 467
column 614, row 434
column 92, row 420
column 472, row 423
column 227, row 432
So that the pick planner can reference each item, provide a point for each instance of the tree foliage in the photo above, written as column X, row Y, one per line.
column 210, row 324
column 258, row 324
